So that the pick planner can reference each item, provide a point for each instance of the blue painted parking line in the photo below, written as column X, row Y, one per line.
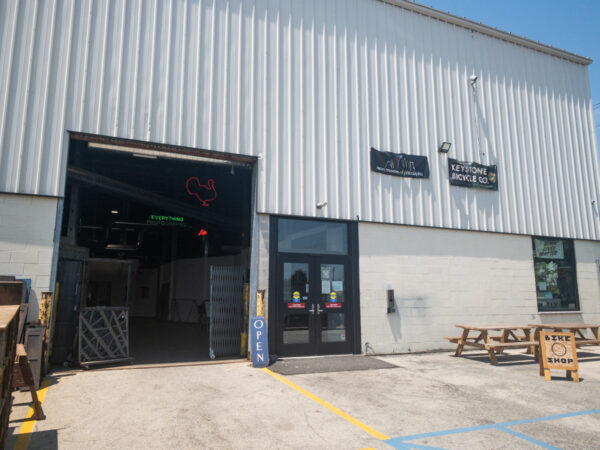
column 401, row 441
column 528, row 438
column 409, row 445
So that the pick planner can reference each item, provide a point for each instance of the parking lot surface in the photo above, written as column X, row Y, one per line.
column 402, row 401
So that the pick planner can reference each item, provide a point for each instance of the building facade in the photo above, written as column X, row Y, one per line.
column 354, row 253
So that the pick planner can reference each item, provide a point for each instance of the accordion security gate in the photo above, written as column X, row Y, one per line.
column 103, row 335
column 226, row 309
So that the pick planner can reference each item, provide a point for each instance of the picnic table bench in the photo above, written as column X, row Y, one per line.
column 479, row 337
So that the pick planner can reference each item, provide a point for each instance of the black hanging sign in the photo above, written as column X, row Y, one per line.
column 470, row 174
column 399, row 164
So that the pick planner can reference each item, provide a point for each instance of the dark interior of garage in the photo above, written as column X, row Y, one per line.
column 141, row 230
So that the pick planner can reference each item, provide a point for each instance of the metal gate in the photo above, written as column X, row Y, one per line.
column 226, row 309
column 103, row 335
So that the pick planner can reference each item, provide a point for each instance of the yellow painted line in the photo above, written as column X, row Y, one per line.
column 329, row 406
column 27, row 427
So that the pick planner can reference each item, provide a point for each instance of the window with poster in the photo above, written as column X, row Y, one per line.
column 555, row 277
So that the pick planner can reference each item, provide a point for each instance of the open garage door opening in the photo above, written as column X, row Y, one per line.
column 154, row 258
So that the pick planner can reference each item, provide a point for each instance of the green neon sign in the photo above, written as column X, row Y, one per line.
column 165, row 221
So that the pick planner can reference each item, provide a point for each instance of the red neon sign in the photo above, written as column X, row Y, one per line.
column 202, row 232
column 204, row 193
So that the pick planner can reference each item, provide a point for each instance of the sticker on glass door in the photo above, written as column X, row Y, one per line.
column 332, row 303
column 296, row 318
column 296, row 302
column 333, row 326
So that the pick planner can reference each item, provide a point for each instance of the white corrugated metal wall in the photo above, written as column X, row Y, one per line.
column 311, row 86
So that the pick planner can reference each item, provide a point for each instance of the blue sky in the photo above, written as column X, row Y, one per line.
column 572, row 25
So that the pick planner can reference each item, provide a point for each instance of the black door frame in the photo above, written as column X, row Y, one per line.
column 352, row 279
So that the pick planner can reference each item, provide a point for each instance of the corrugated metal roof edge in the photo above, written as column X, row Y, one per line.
column 490, row 31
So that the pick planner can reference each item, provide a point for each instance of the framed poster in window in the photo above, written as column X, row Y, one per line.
column 555, row 276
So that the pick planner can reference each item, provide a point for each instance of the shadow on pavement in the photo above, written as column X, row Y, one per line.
column 508, row 359
column 46, row 440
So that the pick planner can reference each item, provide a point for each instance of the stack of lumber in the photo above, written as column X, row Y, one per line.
column 9, row 323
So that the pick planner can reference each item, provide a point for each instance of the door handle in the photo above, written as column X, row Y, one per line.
column 319, row 310
column 312, row 309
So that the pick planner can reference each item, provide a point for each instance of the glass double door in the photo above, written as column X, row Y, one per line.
column 314, row 305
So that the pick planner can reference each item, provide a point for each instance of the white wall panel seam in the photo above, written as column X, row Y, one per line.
column 485, row 128
column 562, row 154
column 19, row 150
column 346, row 143
column 528, row 211
column 580, row 200
column 356, row 107
column 130, row 132
column 567, row 147
column 124, row 16
column 153, row 92
column 333, row 175
column 180, row 123
column 97, row 100
column 37, row 164
column 265, row 100
column 537, row 143
column 589, row 139
column 548, row 154
column 236, row 138
column 8, row 35
column 586, row 159
column 58, row 171
column 224, row 103
column 287, row 69
column 79, row 114
column 593, row 166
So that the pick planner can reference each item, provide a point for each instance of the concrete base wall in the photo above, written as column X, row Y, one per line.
column 440, row 278
column 27, row 226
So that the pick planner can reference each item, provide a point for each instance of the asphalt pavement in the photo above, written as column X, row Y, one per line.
column 401, row 401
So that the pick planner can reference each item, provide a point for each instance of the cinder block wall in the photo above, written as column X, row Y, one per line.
column 587, row 256
column 445, row 277
column 440, row 278
column 27, row 225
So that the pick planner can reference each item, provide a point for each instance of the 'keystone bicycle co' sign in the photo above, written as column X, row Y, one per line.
column 470, row 174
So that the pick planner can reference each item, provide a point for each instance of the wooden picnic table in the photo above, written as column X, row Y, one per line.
column 479, row 336
column 577, row 328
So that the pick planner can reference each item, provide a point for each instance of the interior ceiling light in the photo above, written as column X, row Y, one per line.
column 141, row 155
column 114, row 211
column 445, row 147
